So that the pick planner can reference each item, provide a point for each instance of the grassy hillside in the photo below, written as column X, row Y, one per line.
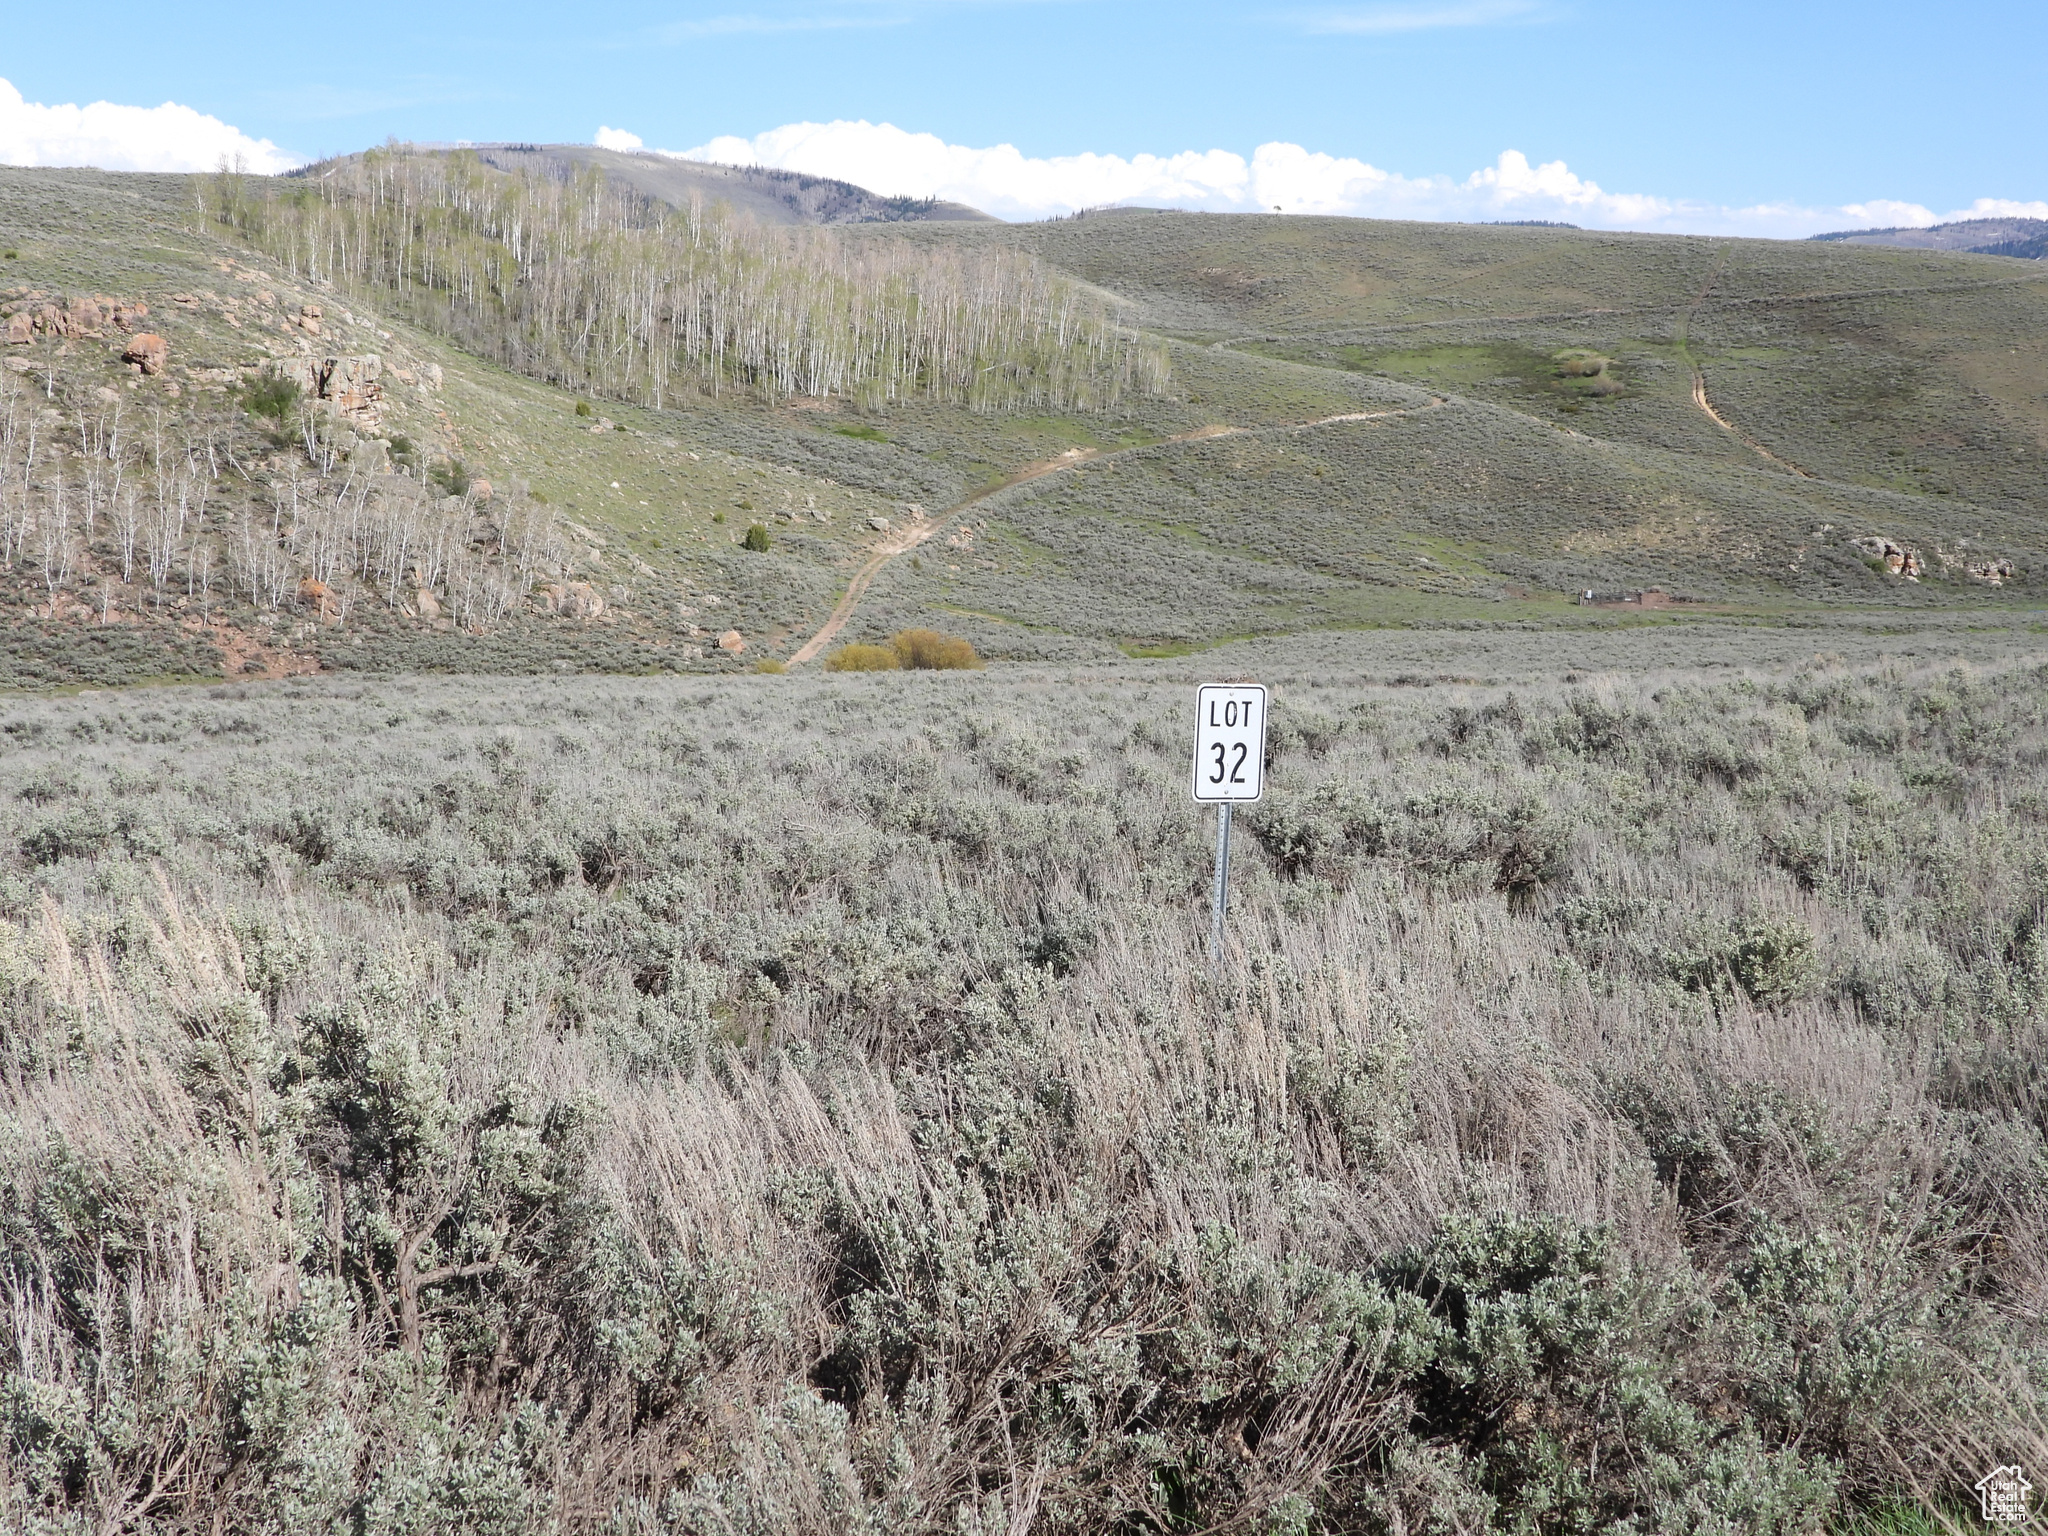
column 1548, row 412
column 1917, row 371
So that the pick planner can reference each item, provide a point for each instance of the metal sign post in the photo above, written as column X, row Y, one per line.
column 1230, row 767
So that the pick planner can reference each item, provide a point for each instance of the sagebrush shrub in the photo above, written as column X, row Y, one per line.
column 926, row 650
column 860, row 657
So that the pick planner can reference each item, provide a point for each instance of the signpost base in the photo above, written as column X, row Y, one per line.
column 1222, row 883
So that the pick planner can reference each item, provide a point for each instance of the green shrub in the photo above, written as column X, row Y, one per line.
column 862, row 658
column 769, row 666
column 926, row 650
column 756, row 539
column 271, row 399
column 582, row 407
column 451, row 476
column 1771, row 960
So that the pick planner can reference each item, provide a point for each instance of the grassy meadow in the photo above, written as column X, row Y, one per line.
column 803, row 1104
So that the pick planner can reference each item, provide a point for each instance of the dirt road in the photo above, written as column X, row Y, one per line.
column 901, row 542
column 1699, row 377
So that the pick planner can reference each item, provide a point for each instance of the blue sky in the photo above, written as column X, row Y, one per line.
column 1816, row 106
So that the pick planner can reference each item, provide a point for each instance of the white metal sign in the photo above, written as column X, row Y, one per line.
column 1230, row 742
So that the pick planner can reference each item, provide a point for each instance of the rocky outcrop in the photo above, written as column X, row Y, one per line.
column 353, row 386
column 731, row 643
column 350, row 387
column 371, row 455
column 573, row 600
column 149, row 352
column 34, row 314
column 1993, row 573
column 1895, row 557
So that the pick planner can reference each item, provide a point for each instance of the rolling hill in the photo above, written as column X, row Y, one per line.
column 1364, row 423
column 2026, row 238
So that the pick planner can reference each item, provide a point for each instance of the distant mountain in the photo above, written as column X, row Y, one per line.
column 2026, row 238
column 773, row 197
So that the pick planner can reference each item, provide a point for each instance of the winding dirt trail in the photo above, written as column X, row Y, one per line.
column 1699, row 376
column 903, row 542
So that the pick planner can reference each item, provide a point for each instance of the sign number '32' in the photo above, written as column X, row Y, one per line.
column 1230, row 742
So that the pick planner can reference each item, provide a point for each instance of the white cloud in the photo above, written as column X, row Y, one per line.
column 1003, row 181
column 617, row 138
column 1382, row 20
column 117, row 138
column 2002, row 208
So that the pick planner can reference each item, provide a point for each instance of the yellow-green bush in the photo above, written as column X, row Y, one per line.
column 862, row 658
column 926, row 650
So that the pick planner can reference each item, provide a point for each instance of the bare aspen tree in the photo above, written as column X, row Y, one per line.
column 126, row 515
column 163, row 530
column 53, row 535
column 202, row 559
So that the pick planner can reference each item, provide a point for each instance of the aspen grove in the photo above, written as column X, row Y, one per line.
column 584, row 282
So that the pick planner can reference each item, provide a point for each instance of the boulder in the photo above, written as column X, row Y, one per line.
column 318, row 596
column 21, row 328
column 353, row 385
column 731, row 643
column 879, row 524
column 429, row 606
column 149, row 352
column 573, row 600
column 1896, row 557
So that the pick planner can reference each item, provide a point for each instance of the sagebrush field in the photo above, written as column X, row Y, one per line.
column 802, row 1104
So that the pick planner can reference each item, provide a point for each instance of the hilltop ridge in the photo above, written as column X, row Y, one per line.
column 2024, row 238
column 769, row 195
